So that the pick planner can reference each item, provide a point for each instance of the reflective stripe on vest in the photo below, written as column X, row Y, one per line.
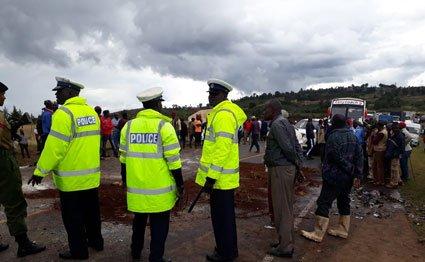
column 171, row 147
column 212, row 136
column 43, row 171
column 59, row 136
column 77, row 172
column 158, row 191
column 224, row 171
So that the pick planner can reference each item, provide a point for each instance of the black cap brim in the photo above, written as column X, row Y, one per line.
column 217, row 87
column 3, row 87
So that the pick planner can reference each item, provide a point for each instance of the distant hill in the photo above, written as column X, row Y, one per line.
column 314, row 103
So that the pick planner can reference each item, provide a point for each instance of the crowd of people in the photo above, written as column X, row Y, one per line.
column 386, row 149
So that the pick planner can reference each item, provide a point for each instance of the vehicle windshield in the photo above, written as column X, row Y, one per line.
column 303, row 122
column 412, row 130
column 349, row 111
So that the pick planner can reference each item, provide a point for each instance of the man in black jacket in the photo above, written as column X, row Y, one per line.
column 342, row 166
column 309, row 132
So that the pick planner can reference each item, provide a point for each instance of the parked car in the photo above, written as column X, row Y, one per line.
column 300, row 130
column 414, row 129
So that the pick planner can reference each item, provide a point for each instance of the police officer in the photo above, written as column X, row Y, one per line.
column 71, row 153
column 218, row 172
column 11, row 196
column 150, row 150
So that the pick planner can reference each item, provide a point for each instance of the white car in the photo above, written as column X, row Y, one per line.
column 301, row 132
column 414, row 129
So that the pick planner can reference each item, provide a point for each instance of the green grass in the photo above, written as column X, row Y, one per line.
column 414, row 190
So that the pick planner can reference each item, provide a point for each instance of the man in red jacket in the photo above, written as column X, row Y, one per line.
column 106, row 128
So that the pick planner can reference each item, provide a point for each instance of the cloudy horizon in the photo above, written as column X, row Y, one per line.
column 118, row 48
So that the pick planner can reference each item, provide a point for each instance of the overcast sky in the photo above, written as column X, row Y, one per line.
column 117, row 48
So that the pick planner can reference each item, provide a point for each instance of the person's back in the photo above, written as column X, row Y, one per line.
column 256, row 127
column 395, row 145
column 309, row 129
column 343, row 156
column 106, row 125
column 183, row 128
column 380, row 140
column 198, row 126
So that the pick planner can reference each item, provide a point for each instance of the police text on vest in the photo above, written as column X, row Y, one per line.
column 143, row 138
column 86, row 120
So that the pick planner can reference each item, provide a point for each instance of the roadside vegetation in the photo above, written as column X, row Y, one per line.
column 414, row 192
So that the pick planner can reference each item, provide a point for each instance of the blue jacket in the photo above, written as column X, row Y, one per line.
column 343, row 157
column 46, row 121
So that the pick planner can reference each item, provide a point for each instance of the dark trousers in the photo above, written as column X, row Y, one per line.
column 159, row 224
column 105, row 139
column 404, row 165
column 321, row 148
column 198, row 136
column 310, row 145
column 329, row 193
column 123, row 173
column 11, row 196
column 254, row 142
column 183, row 140
column 43, row 141
column 81, row 217
column 365, row 162
column 223, row 220
column 24, row 148
column 191, row 137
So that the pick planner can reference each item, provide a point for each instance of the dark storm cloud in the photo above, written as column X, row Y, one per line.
column 257, row 47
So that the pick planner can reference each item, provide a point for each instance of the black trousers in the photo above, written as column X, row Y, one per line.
column 254, row 142
column 105, row 139
column 329, row 193
column 81, row 217
column 159, row 224
column 24, row 148
column 223, row 220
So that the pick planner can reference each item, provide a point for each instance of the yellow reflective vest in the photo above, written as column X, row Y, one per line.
column 220, row 153
column 71, row 151
column 150, row 149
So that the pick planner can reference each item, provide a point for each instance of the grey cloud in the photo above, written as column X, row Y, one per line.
column 200, row 39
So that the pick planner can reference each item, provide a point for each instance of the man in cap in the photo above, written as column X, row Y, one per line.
column 150, row 153
column 11, row 195
column 342, row 167
column 71, row 153
column 218, row 172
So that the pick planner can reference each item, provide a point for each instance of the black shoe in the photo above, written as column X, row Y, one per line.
column 274, row 244
column 29, row 248
column 276, row 253
column 68, row 255
column 218, row 258
column 3, row 247
column 96, row 246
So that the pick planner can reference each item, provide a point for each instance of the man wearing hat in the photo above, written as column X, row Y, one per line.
column 11, row 196
column 218, row 171
column 150, row 153
column 71, row 154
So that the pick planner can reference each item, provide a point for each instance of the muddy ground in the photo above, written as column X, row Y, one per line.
column 379, row 231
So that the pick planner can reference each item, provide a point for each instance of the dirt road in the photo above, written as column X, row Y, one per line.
column 388, row 237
